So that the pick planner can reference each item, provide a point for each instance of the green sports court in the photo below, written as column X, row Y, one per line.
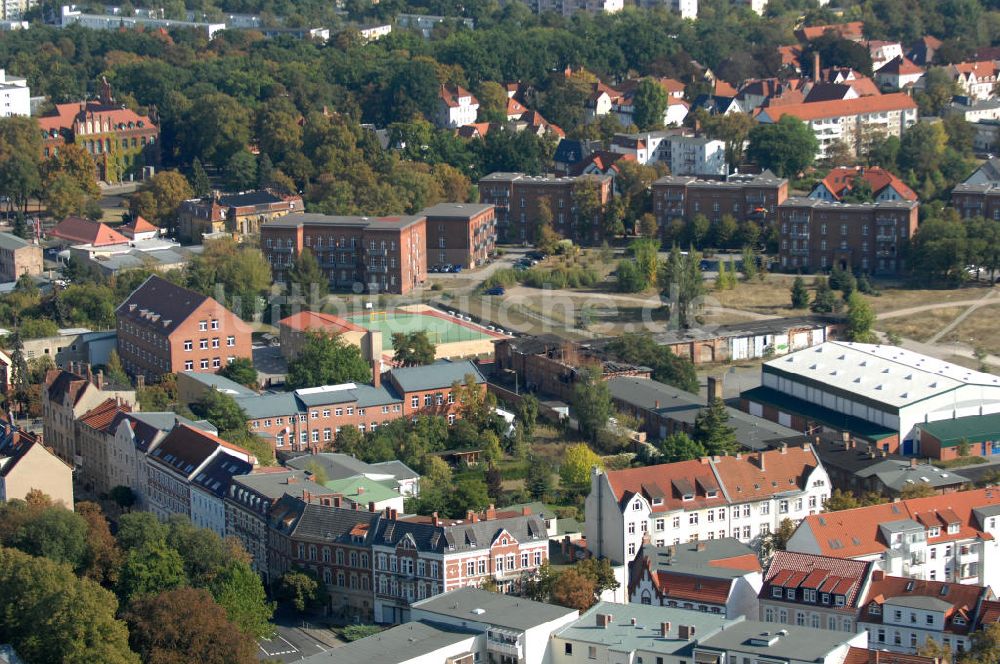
column 440, row 328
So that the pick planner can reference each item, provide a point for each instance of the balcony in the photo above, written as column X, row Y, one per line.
column 885, row 254
column 281, row 250
column 799, row 234
column 885, row 238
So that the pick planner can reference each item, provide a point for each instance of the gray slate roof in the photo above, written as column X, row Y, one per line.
column 456, row 210
column 495, row 609
column 336, row 466
column 453, row 535
column 688, row 559
column 439, row 375
column 216, row 476
column 12, row 242
column 294, row 517
column 274, row 485
column 801, row 644
column 402, row 643
column 897, row 474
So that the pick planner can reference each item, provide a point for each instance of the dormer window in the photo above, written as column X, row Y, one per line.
column 657, row 501
column 789, row 593
column 952, row 528
column 933, row 531
column 687, row 496
column 958, row 620
column 776, row 591
column 712, row 493
column 825, row 598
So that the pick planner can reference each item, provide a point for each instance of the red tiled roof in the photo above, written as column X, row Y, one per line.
column 828, row 109
column 535, row 120
column 964, row 599
column 138, row 225
column 857, row 655
column 665, row 478
column 853, row 30
column 823, row 573
column 101, row 416
column 450, row 95
column 84, row 231
column 475, row 130
column 900, row 65
column 840, row 180
column 981, row 69
column 748, row 562
column 60, row 384
column 514, row 107
column 790, row 55
column 783, row 470
column 989, row 613
column 686, row 587
column 315, row 320
column 724, row 89
column 64, row 116
column 855, row 532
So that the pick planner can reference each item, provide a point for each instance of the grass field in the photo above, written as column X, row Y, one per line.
column 439, row 330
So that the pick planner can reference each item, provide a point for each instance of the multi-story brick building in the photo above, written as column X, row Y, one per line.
column 743, row 197
column 745, row 496
column 866, row 237
column 248, row 503
column 174, row 465
column 66, row 396
column 939, row 538
column 331, row 542
column 518, row 198
column 384, row 254
column 164, row 328
column 240, row 213
column 419, row 557
column 462, row 234
column 121, row 141
column 18, row 257
column 977, row 200
column 820, row 592
column 309, row 418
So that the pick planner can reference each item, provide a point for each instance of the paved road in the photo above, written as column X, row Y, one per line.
column 289, row 644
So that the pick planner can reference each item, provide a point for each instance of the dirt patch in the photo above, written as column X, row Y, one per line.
column 979, row 330
column 921, row 326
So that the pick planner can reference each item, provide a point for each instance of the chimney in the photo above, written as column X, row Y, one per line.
column 783, row 448
column 846, row 437
column 877, row 575
column 664, row 630
column 371, row 506
column 468, row 515
column 816, row 70
column 100, row 379
column 491, row 512
column 434, row 519
column 633, row 622
column 816, row 441
column 657, row 404
column 913, row 462
column 685, row 632
column 306, row 496
column 604, row 620
column 90, row 373
column 700, row 546
column 377, row 373
column 759, row 458
column 292, row 479
column 361, row 490
column 392, row 514
column 526, row 511
column 714, row 389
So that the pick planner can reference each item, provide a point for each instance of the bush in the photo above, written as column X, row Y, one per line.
column 561, row 277
column 504, row 277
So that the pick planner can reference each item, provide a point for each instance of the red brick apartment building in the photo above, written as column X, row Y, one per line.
column 460, row 233
column 977, row 200
column 816, row 235
column 310, row 418
column 164, row 328
column 517, row 198
column 385, row 254
column 744, row 197
column 419, row 557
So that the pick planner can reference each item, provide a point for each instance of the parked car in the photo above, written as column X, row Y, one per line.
column 496, row 290
column 456, row 268
column 434, row 268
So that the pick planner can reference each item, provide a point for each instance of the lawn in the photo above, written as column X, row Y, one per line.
column 921, row 326
column 979, row 330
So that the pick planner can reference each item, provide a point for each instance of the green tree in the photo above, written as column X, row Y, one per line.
column 57, row 534
column 492, row 102
column 682, row 284
column 733, row 129
column 538, row 481
column 242, row 371
column 527, row 414
column 160, row 197
column 123, row 496
column 574, row 471
column 985, row 646
column 649, row 104
column 824, row 302
column 591, row 402
column 840, row 500
column 629, row 277
column 139, row 529
column 574, row 590
column 413, row 348
column 800, row 294
column 241, row 171
column 711, row 429
column 200, row 183
column 640, row 348
column 860, row 319
column 300, row 589
column 221, row 410
column 468, row 494
column 778, row 540
column 240, row 592
column 306, row 278
column 599, row 570
column 749, row 265
column 115, row 370
column 20, row 166
column 151, row 569
column 217, row 127
column 187, row 625
column 786, row 147
column 646, row 252
column 680, row 447
column 327, row 360
column 50, row 615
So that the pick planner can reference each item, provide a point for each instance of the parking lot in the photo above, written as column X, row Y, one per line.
column 290, row 644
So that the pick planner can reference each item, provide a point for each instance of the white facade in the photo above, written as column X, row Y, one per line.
column 126, row 464
column 570, row 7
column 615, row 530
column 685, row 8
column 884, row 51
column 454, row 112
column 685, row 155
column 741, row 602
column 14, row 10
column 905, row 627
column 208, row 510
column 15, row 96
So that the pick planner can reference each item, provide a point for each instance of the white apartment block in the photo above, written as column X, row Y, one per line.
column 15, row 95
column 570, row 7
column 14, row 10
column 456, row 107
column 684, row 154
column 745, row 497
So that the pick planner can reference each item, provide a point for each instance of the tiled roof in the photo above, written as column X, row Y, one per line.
column 958, row 599
column 854, row 30
column 62, row 384
column 836, row 576
column 840, row 180
column 84, row 231
column 215, row 477
column 759, row 475
column 297, row 518
column 65, row 115
column 316, row 320
column 185, row 448
column 856, row 532
column 857, row 655
column 454, row 535
column 989, row 613
column 896, row 101
column 900, row 65
column 682, row 571
column 138, row 225
column 102, row 416
column 162, row 305
column 451, row 94
column 981, row 70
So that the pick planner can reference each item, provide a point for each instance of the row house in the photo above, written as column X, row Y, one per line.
column 819, row 592
column 121, row 142
column 383, row 254
column 950, row 537
column 745, row 496
column 901, row 614
column 93, row 430
column 463, row 234
column 743, row 197
column 849, row 121
column 519, row 198
column 209, row 487
column 310, row 418
column 720, row 576
column 26, row 465
column 333, row 543
column 236, row 213
column 178, row 462
column 816, row 234
column 975, row 79
column 165, row 328
column 980, row 199
column 419, row 557
column 66, row 396
column 570, row 7
column 248, row 503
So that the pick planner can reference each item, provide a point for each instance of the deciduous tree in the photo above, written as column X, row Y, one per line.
column 591, row 402
column 574, row 471
column 327, row 360
column 786, row 146
column 413, row 348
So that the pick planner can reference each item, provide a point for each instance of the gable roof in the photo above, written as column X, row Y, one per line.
column 853, row 30
column 62, row 384
column 451, row 94
column 186, row 448
column 840, row 180
column 161, row 304
column 78, row 230
column 458, row 535
column 825, row 574
column 217, row 475
column 955, row 600
column 136, row 226
column 766, row 473
column 439, row 375
column 104, row 415
column 697, row 571
column 897, row 101
column 858, row 532
column 900, row 66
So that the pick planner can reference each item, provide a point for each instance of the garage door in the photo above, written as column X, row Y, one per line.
column 784, row 419
column 756, row 409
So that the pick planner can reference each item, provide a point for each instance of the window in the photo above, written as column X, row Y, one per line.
column 230, row 341
column 789, row 593
column 188, row 345
column 776, row 591
column 215, row 342
column 204, row 363
column 765, row 508
column 568, row 649
column 414, row 402
column 203, row 325
column 659, row 524
column 188, row 365
column 216, row 362
column 591, row 652
column 203, row 344
column 693, row 519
